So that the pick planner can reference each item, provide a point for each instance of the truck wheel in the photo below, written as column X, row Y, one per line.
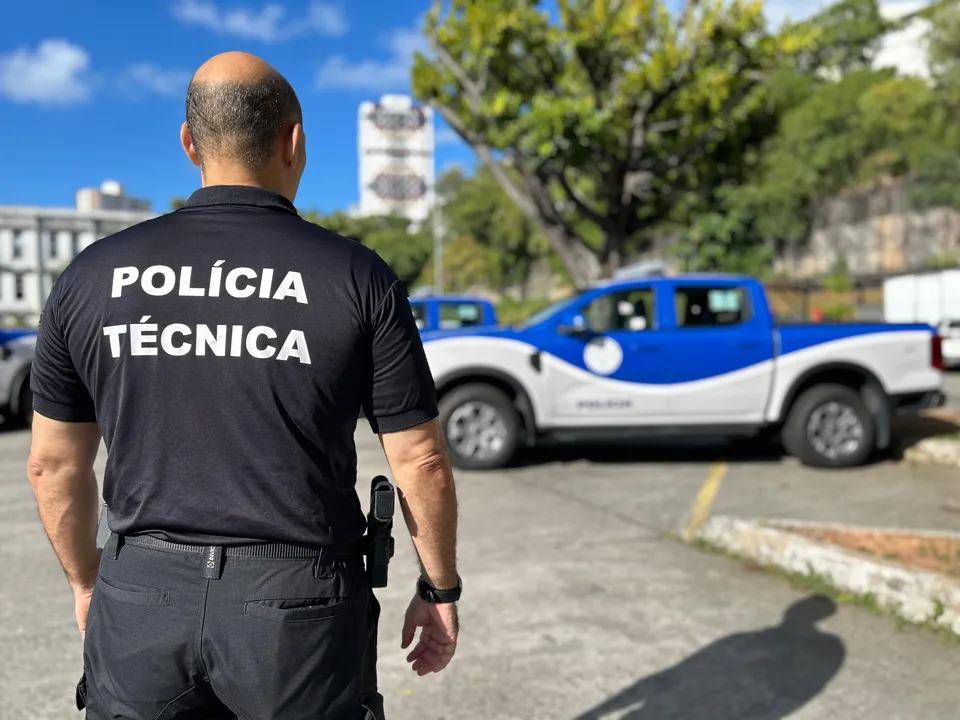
column 25, row 414
column 481, row 425
column 829, row 426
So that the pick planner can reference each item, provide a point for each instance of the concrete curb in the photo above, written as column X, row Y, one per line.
column 919, row 596
column 935, row 451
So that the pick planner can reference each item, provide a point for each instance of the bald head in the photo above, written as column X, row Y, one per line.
column 237, row 106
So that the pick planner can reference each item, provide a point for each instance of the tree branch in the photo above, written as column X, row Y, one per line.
column 484, row 152
column 710, row 133
column 589, row 212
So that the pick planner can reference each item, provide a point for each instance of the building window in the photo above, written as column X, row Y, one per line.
column 74, row 244
column 18, row 244
column 18, row 287
column 52, row 243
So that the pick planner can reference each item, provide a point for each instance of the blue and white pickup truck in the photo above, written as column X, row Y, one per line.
column 16, row 356
column 452, row 312
column 677, row 356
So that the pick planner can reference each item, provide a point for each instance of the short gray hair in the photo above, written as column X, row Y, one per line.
column 240, row 121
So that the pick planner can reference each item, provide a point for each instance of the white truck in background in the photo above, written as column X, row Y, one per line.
column 928, row 297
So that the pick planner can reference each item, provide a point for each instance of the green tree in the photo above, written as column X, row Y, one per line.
column 177, row 203
column 847, row 36
column 607, row 120
column 865, row 127
column 405, row 249
column 938, row 181
column 476, row 208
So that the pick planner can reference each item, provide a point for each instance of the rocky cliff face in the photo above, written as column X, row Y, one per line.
column 877, row 232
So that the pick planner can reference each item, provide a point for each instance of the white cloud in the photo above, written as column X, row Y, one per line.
column 392, row 74
column 56, row 73
column 158, row 80
column 268, row 24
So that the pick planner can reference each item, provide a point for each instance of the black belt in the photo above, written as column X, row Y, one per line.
column 274, row 551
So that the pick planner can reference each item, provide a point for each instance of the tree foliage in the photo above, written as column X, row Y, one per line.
column 612, row 116
column 841, row 125
column 479, row 219
column 405, row 249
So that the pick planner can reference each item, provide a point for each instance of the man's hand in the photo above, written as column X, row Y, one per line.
column 438, row 638
column 81, row 600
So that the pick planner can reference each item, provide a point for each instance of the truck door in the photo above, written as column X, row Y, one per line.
column 718, row 346
column 611, row 372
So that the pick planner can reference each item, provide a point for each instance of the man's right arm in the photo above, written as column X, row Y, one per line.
column 428, row 498
column 401, row 405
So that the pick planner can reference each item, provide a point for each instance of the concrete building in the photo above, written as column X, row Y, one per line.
column 396, row 158
column 109, row 196
column 37, row 244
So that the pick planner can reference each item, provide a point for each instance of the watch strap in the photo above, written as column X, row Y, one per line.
column 433, row 595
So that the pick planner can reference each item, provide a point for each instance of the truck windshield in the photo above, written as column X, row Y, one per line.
column 539, row 317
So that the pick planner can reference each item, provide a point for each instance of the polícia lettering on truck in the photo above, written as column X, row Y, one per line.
column 679, row 355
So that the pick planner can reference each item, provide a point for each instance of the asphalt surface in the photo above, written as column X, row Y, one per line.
column 580, row 602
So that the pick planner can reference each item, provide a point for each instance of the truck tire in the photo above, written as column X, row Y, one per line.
column 829, row 426
column 481, row 425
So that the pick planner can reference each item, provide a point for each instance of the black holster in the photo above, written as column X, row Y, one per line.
column 380, row 544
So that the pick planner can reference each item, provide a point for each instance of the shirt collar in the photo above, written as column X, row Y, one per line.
column 239, row 195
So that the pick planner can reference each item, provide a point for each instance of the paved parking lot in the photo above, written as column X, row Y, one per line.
column 580, row 603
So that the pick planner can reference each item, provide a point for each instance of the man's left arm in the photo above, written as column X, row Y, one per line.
column 65, row 441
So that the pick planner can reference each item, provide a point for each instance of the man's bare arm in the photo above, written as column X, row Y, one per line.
column 428, row 498
column 60, row 469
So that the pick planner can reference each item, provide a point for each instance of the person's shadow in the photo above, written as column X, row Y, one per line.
column 763, row 675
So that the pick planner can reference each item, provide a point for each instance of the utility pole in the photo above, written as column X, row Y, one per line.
column 437, row 243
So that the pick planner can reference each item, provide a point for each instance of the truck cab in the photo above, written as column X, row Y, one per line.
column 452, row 312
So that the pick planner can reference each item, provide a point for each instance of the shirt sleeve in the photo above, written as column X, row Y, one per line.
column 400, row 389
column 59, row 392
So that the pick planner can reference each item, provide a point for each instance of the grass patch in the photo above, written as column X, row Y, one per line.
column 815, row 583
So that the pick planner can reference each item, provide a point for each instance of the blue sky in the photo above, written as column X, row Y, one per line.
column 92, row 94
column 93, row 89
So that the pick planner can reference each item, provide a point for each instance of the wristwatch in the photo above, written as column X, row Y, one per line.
column 431, row 594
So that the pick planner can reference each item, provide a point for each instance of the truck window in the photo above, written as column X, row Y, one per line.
column 706, row 306
column 458, row 315
column 419, row 314
column 627, row 310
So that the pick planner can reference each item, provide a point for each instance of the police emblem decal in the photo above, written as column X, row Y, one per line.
column 603, row 356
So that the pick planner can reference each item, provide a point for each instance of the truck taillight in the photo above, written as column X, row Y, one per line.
column 936, row 352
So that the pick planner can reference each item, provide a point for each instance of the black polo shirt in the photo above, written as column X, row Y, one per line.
column 225, row 350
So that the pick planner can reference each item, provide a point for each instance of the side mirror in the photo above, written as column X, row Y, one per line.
column 575, row 327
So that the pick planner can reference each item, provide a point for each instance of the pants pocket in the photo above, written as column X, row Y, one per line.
column 286, row 610
column 132, row 594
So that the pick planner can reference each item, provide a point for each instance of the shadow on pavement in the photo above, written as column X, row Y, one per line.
column 670, row 450
column 763, row 675
column 908, row 431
